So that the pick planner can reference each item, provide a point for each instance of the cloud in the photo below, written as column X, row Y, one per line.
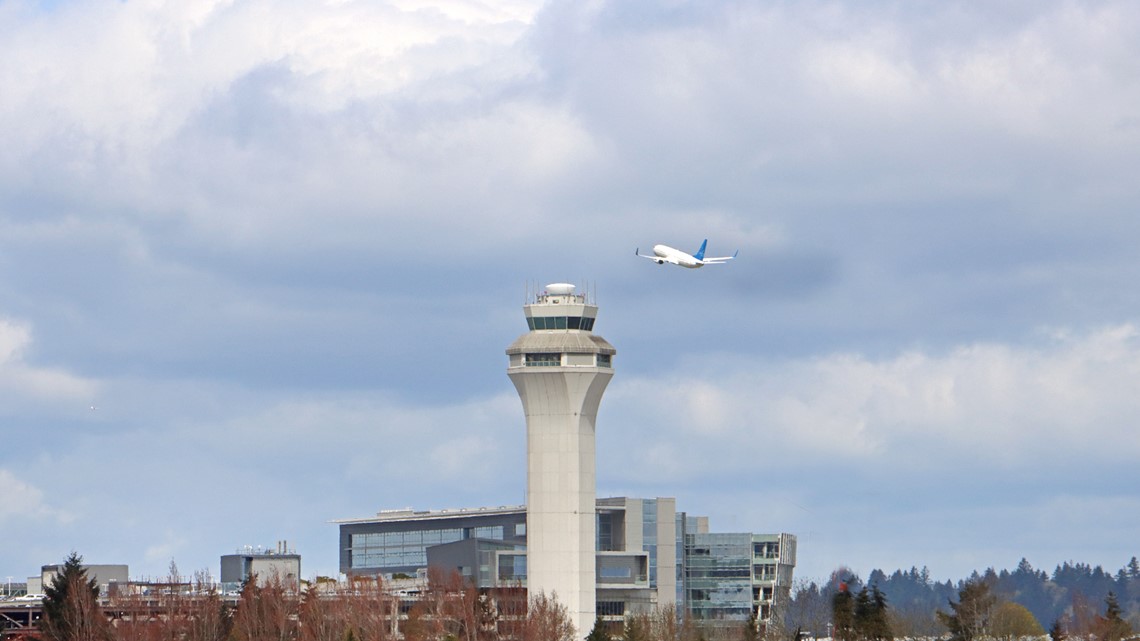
column 283, row 243
column 956, row 447
column 25, row 502
column 20, row 380
column 998, row 408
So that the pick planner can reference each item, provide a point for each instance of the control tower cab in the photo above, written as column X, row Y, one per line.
column 559, row 308
column 560, row 369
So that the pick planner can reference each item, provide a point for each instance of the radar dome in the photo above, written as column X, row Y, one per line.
column 560, row 289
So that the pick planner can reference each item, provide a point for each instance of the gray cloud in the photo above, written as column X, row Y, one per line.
column 303, row 230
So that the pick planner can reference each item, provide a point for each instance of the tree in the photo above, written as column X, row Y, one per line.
column 265, row 613
column 843, row 614
column 751, row 631
column 1057, row 632
column 210, row 617
column 871, row 618
column 665, row 625
column 547, row 620
column 637, row 628
column 969, row 618
column 71, row 609
column 1013, row 621
column 598, row 632
column 1111, row 626
column 807, row 609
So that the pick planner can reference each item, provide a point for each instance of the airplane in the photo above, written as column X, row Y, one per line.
column 666, row 254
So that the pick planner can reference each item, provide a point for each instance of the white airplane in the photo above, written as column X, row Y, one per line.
column 666, row 254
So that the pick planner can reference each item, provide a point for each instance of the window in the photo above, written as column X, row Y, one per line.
column 769, row 550
column 604, row 360
column 611, row 608
column 764, row 572
column 512, row 567
column 559, row 322
column 542, row 359
column 398, row 549
column 615, row 572
column 489, row 532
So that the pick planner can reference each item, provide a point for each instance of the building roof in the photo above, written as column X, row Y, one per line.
column 561, row 340
column 408, row 514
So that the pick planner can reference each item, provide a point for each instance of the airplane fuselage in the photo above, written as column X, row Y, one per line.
column 667, row 254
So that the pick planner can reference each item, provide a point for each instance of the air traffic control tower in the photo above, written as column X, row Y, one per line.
column 560, row 369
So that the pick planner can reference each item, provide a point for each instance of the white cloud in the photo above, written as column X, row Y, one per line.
column 24, row 502
column 19, row 379
column 1070, row 397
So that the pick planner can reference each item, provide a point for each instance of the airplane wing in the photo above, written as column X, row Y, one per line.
column 719, row 260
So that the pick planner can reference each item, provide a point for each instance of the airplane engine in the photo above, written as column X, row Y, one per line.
column 660, row 262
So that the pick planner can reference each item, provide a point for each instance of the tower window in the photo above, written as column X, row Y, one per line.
column 543, row 360
column 560, row 322
column 604, row 360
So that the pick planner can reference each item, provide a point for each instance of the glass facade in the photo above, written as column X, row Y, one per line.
column 718, row 576
column 512, row 567
column 605, row 532
column 560, row 322
column 374, row 550
column 649, row 536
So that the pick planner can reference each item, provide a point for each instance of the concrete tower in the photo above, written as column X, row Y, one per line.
column 560, row 369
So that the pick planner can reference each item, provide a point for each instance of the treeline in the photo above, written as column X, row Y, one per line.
column 449, row 609
column 1072, row 597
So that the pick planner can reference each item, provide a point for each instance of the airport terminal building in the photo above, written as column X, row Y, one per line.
column 647, row 555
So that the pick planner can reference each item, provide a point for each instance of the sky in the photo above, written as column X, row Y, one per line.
column 260, row 261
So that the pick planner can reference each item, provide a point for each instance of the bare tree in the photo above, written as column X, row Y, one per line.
column 265, row 613
column 547, row 620
column 372, row 611
column 209, row 617
column 664, row 624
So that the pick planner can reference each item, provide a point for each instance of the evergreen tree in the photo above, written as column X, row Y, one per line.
column 878, row 624
column 598, row 632
column 843, row 614
column 1112, row 627
column 1057, row 632
column 969, row 618
column 862, row 613
column 71, row 609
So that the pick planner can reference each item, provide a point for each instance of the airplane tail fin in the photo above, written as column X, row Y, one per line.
column 700, row 255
